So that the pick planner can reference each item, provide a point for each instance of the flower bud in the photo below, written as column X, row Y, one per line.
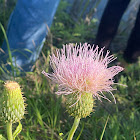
column 12, row 103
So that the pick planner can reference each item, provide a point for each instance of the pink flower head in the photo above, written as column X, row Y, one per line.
column 83, row 68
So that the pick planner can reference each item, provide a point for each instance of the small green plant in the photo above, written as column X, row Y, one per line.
column 12, row 107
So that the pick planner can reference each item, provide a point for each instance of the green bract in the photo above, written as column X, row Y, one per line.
column 80, row 108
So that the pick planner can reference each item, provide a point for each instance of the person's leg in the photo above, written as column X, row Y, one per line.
column 110, row 21
column 133, row 45
column 27, row 30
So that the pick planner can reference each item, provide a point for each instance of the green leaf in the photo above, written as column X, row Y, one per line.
column 2, row 138
column 1, row 81
column 28, row 50
column 18, row 130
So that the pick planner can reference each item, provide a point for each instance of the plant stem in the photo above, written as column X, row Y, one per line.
column 9, row 131
column 73, row 129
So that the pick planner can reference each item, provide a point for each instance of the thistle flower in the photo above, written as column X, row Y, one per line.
column 83, row 69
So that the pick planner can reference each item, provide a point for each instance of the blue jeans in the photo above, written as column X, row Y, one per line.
column 27, row 29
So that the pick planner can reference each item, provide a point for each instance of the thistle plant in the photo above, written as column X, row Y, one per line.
column 83, row 75
column 12, row 107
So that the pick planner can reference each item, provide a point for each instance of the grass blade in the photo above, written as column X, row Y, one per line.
column 8, row 47
column 80, row 132
column 104, row 129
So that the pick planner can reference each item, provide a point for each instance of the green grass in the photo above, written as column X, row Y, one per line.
column 46, row 117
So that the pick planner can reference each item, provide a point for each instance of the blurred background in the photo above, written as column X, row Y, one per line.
column 77, row 21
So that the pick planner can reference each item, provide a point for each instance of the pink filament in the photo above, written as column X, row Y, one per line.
column 83, row 68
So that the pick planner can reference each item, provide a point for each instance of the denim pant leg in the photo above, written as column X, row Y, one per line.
column 27, row 29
